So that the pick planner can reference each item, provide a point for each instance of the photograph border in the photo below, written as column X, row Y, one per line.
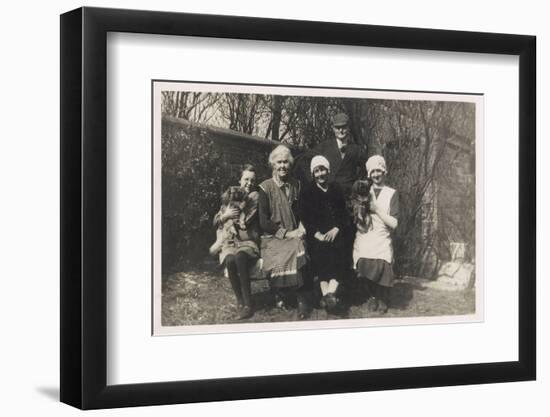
column 157, row 329
column 83, row 177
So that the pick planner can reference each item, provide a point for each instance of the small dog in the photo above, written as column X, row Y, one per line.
column 360, row 200
column 233, row 198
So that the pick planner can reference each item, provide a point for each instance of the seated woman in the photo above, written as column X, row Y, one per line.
column 323, row 212
column 241, row 251
column 282, row 245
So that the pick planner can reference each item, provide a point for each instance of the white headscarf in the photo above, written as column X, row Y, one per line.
column 319, row 160
column 376, row 162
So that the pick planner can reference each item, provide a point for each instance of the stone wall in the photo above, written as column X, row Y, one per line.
column 198, row 163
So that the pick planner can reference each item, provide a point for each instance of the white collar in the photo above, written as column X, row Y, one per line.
column 321, row 188
column 340, row 143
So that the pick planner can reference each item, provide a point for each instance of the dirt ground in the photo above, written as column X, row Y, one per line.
column 205, row 297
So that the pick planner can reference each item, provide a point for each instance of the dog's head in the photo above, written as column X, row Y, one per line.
column 361, row 190
column 234, row 195
column 361, row 197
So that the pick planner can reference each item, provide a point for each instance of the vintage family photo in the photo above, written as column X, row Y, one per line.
column 291, row 204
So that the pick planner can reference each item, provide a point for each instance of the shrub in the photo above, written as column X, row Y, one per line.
column 192, row 171
column 196, row 168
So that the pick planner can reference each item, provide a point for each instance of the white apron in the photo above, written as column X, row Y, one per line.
column 376, row 243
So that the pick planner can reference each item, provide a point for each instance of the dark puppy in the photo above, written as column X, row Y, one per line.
column 360, row 200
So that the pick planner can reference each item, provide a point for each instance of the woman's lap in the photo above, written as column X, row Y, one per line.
column 282, row 260
column 248, row 247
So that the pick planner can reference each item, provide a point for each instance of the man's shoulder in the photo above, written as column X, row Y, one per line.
column 354, row 147
column 324, row 144
column 336, row 188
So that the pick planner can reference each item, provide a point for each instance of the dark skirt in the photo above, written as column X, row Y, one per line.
column 375, row 270
column 328, row 260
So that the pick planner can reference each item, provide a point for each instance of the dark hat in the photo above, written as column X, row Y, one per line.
column 341, row 119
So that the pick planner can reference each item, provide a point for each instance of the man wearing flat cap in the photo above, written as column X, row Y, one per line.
column 347, row 162
column 347, row 159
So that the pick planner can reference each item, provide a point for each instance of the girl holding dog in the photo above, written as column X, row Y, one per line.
column 372, row 249
column 240, row 253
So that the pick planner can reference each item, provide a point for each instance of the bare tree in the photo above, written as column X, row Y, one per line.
column 244, row 113
column 276, row 116
column 416, row 140
column 193, row 106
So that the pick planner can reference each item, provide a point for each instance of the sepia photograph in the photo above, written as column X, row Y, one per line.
column 285, row 207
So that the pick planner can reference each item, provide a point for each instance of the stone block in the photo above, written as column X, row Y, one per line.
column 454, row 276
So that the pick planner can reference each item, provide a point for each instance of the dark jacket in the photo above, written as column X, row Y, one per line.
column 344, row 171
column 320, row 210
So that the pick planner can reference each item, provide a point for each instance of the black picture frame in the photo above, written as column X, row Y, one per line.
column 84, row 207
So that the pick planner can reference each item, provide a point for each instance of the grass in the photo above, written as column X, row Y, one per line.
column 205, row 297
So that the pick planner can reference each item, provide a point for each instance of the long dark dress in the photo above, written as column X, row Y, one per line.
column 320, row 212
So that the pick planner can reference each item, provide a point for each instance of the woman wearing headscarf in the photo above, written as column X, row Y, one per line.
column 323, row 209
column 372, row 249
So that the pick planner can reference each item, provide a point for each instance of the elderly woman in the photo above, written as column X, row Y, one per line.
column 241, row 252
column 282, row 245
